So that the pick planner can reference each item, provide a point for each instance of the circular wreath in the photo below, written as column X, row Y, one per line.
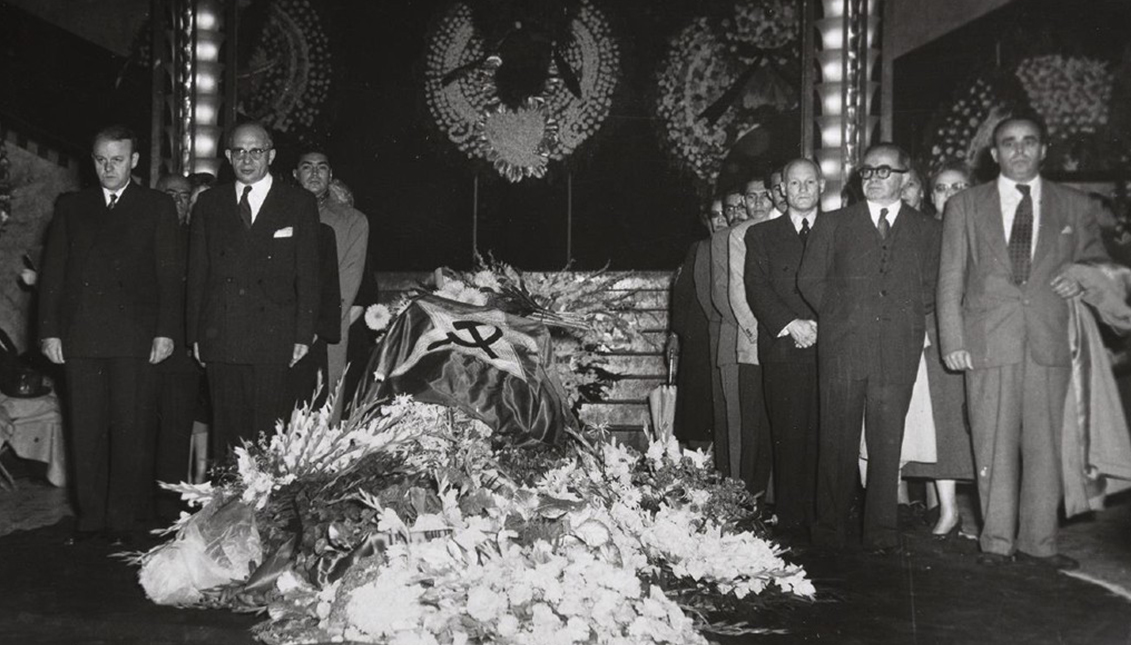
column 519, row 142
column 707, row 58
column 1071, row 94
column 287, row 80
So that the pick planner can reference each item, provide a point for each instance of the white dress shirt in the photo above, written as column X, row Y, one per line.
column 1011, row 198
column 796, row 218
column 106, row 193
column 258, row 193
column 893, row 212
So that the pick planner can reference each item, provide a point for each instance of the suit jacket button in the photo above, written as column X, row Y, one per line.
column 242, row 292
column 883, row 292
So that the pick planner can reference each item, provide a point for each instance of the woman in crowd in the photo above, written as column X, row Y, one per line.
column 948, row 397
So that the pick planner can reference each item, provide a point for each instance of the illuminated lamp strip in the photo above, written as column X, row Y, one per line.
column 207, row 100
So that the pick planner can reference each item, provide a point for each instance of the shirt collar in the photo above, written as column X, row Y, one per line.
column 263, row 185
column 893, row 210
column 1008, row 187
column 106, row 192
column 797, row 217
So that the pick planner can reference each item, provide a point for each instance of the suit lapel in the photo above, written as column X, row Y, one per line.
column 992, row 225
column 1049, row 225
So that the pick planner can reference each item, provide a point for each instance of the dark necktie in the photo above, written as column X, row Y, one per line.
column 1021, row 237
column 883, row 225
column 113, row 201
column 804, row 232
column 245, row 207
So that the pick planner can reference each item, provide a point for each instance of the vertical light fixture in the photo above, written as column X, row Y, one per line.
column 844, row 94
column 207, row 75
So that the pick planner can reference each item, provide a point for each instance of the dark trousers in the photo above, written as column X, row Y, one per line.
column 304, row 376
column 112, row 419
column 247, row 400
column 178, row 398
column 791, row 402
column 883, row 408
column 755, row 460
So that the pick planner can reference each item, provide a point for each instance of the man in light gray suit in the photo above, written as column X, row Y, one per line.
column 1003, row 317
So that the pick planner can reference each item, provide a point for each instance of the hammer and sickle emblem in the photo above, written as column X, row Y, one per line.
column 474, row 340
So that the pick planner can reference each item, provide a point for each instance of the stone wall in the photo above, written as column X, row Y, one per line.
column 37, row 179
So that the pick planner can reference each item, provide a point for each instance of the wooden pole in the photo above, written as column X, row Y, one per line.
column 158, row 52
column 808, row 60
column 569, row 217
column 475, row 217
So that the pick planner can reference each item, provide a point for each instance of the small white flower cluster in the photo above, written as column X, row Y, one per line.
column 453, row 289
column 312, row 444
column 1072, row 94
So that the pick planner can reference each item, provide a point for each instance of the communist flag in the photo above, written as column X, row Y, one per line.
column 491, row 364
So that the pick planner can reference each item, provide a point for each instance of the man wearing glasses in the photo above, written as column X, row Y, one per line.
column 748, row 439
column 869, row 272
column 252, row 289
column 1003, row 319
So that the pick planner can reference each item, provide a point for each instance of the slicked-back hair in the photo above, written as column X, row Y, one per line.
column 901, row 156
column 1027, row 116
column 249, row 124
column 793, row 162
column 116, row 132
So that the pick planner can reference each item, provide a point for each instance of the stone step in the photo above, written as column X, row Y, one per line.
column 632, row 388
column 615, row 414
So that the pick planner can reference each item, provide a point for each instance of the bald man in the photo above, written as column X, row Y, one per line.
column 252, row 289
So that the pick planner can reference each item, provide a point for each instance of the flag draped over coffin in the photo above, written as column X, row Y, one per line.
column 491, row 364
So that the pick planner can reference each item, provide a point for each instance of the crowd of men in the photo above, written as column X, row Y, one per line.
column 800, row 330
column 250, row 287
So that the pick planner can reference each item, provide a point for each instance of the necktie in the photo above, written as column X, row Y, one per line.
column 245, row 207
column 804, row 232
column 113, row 201
column 1021, row 237
column 883, row 225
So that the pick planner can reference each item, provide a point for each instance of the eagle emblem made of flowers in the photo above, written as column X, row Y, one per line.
column 520, row 83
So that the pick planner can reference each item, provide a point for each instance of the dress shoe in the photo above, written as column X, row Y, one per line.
column 995, row 559
column 1055, row 561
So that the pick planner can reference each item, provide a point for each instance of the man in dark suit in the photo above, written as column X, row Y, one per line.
column 869, row 272
column 787, row 334
column 252, row 289
column 111, row 303
column 178, row 386
column 1003, row 317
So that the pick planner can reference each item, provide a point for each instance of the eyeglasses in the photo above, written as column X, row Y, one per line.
column 731, row 207
column 880, row 172
column 244, row 153
column 957, row 186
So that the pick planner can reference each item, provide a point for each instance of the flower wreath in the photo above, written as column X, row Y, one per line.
column 709, row 56
column 520, row 142
column 288, row 80
column 1071, row 94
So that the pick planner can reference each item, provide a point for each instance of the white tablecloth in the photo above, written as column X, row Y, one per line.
column 34, row 430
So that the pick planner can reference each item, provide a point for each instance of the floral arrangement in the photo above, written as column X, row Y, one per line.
column 586, row 313
column 519, row 142
column 711, row 55
column 288, row 77
column 1071, row 94
column 410, row 523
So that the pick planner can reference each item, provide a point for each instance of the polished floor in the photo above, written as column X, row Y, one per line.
column 934, row 592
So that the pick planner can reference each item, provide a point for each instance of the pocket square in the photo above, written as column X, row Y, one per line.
column 285, row 232
column 1067, row 230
